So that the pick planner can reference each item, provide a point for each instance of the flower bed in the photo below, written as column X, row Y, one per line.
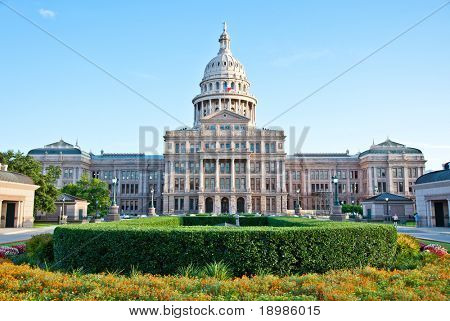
column 427, row 283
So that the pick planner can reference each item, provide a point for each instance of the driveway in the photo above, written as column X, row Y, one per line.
column 10, row 235
column 440, row 234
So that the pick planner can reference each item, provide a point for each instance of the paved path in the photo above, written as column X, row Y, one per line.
column 10, row 235
column 440, row 234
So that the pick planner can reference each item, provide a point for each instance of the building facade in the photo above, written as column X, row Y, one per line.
column 433, row 198
column 224, row 163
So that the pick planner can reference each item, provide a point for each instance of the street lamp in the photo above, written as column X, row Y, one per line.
column 114, row 181
column 335, row 182
column 297, row 208
column 387, row 207
column 61, row 220
column 96, row 208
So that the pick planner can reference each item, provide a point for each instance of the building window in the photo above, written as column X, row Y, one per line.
column 381, row 172
column 270, row 204
column 179, row 203
column 397, row 172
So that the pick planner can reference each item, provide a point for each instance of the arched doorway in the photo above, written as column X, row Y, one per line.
column 240, row 205
column 225, row 206
column 209, row 205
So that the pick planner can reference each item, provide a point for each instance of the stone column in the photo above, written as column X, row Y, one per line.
column 217, row 175
column 166, row 177
column 233, row 176
column 172, row 177
column 406, row 180
column 186, row 177
column 369, row 181
column 277, row 168
column 290, row 182
column 247, row 175
column 201, row 179
column 283, row 176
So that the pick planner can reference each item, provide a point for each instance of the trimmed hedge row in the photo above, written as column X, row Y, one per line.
column 216, row 220
column 247, row 250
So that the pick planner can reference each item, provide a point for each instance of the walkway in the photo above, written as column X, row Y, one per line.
column 440, row 234
column 10, row 235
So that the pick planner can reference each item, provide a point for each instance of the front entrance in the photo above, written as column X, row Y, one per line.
column 439, row 214
column 240, row 205
column 209, row 205
column 10, row 213
column 224, row 206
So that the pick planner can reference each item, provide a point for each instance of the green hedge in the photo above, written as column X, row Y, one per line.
column 247, row 250
column 216, row 220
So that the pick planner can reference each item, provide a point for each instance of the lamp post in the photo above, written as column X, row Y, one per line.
column 297, row 207
column 61, row 219
column 113, row 214
column 336, row 215
column 152, row 210
column 96, row 208
column 387, row 207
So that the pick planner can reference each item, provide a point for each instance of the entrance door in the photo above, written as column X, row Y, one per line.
column 10, row 212
column 225, row 206
column 240, row 205
column 439, row 214
column 209, row 205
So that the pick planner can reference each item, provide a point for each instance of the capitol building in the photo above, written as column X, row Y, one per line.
column 224, row 163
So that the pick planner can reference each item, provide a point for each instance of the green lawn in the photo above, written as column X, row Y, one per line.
column 43, row 224
column 443, row 244
column 14, row 243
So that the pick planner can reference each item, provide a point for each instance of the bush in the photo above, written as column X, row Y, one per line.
column 40, row 249
column 407, row 254
column 216, row 220
column 246, row 250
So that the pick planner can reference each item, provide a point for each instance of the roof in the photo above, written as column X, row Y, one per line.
column 392, row 197
column 343, row 155
column 390, row 147
column 438, row 176
column 69, row 198
column 58, row 148
column 126, row 156
column 15, row 178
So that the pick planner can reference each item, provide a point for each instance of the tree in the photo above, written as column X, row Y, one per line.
column 349, row 208
column 46, row 195
column 95, row 191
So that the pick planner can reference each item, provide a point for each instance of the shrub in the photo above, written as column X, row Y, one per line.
column 246, row 250
column 407, row 254
column 216, row 220
column 40, row 249
column 7, row 251
column 217, row 270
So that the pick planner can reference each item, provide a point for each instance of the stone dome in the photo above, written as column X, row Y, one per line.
column 224, row 65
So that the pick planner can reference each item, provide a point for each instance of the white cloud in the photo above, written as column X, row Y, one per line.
column 302, row 56
column 46, row 13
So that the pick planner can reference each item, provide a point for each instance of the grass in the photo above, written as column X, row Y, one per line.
column 44, row 224
column 443, row 244
column 13, row 243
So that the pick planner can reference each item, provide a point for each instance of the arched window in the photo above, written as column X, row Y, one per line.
column 225, row 85
column 232, row 85
column 210, row 86
column 224, row 63
column 239, row 86
column 217, row 85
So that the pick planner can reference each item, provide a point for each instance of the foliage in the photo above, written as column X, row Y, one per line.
column 6, row 251
column 215, row 220
column 217, row 270
column 407, row 254
column 46, row 195
column 94, row 190
column 427, row 283
column 349, row 208
column 317, row 247
column 40, row 249
column 435, row 249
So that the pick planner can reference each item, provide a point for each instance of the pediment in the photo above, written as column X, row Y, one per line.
column 225, row 116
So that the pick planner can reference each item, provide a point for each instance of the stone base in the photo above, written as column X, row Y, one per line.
column 337, row 214
column 151, row 211
column 113, row 214
column 297, row 211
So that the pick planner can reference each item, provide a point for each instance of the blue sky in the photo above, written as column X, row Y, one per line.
column 289, row 49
